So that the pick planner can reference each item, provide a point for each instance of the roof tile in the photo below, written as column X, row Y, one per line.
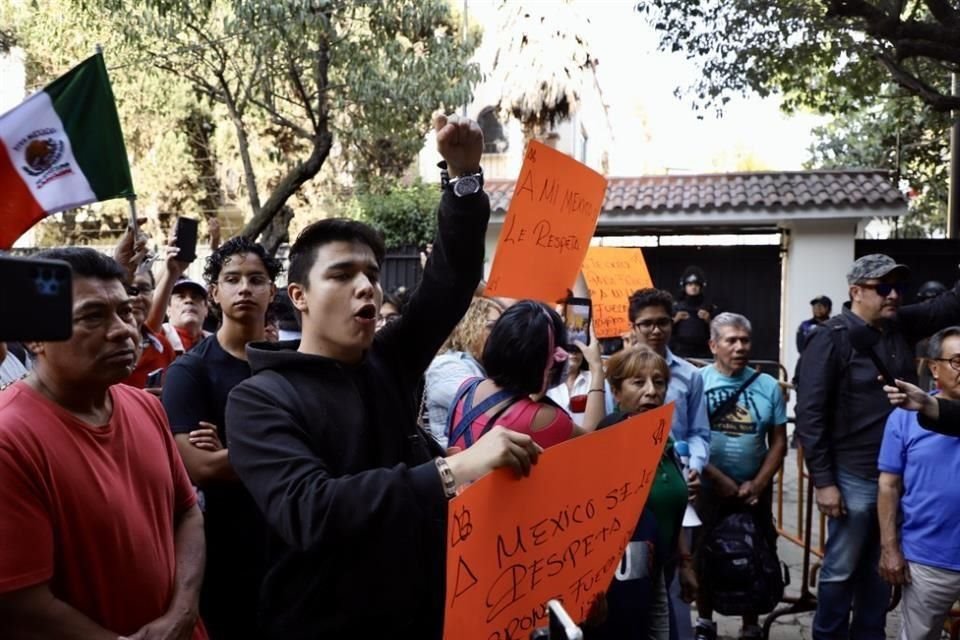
column 736, row 191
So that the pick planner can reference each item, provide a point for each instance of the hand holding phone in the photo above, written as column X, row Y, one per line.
column 186, row 239
column 577, row 316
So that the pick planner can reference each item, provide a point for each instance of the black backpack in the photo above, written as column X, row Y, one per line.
column 740, row 568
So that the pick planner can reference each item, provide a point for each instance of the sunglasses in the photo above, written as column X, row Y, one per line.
column 884, row 289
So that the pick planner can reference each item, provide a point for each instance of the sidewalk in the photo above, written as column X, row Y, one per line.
column 793, row 627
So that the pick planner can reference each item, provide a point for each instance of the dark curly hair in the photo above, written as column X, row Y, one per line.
column 237, row 246
column 643, row 298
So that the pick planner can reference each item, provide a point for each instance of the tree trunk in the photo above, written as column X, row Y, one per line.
column 243, row 145
column 278, row 231
column 289, row 185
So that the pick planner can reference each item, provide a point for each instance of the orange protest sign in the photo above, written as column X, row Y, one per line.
column 552, row 216
column 612, row 274
column 513, row 544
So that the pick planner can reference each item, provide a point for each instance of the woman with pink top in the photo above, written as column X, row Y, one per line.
column 524, row 356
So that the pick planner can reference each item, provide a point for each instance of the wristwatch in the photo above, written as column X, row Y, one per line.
column 461, row 186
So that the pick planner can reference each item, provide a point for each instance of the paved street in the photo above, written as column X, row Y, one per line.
column 793, row 627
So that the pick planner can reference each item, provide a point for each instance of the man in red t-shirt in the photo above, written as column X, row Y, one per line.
column 101, row 535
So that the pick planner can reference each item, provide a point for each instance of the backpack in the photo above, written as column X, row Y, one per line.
column 740, row 567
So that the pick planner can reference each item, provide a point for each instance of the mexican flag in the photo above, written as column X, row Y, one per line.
column 61, row 148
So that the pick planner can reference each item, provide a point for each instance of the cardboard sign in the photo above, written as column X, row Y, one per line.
column 612, row 274
column 515, row 543
column 552, row 216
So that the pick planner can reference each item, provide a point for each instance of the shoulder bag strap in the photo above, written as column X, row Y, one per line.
column 492, row 422
column 462, row 428
column 731, row 402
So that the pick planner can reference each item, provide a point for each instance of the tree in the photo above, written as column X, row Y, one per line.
column 544, row 65
column 904, row 136
column 830, row 55
column 367, row 74
column 152, row 109
column 406, row 215
column 881, row 68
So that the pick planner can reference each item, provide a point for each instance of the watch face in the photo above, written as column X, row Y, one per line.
column 466, row 185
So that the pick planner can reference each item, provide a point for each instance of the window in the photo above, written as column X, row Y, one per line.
column 494, row 138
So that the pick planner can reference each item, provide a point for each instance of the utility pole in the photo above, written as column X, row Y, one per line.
column 953, row 197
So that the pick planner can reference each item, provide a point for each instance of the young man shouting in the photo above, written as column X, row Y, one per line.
column 325, row 435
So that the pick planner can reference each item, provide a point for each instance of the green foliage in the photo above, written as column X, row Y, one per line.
column 406, row 215
column 224, row 100
column 881, row 68
column 367, row 74
column 828, row 55
column 871, row 138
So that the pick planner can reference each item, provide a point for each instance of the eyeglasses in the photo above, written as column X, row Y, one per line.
column 883, row 289
column 648, row 325
column 137, row 289
column 954, row 362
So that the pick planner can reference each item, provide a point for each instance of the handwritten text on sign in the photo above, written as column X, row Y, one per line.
column 612, row 274
column 553, row 214
column 513, row 544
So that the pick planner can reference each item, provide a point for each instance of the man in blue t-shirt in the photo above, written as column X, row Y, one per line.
column 920, row 477
column 748, row 422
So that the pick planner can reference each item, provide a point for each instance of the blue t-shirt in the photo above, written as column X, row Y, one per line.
column 738, row 442
column 930, row 466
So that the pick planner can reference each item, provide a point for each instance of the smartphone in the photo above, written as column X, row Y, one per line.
column 36, row 297
column 187, row 239
column 154, row 379
column 562, row 626
column 577, row 314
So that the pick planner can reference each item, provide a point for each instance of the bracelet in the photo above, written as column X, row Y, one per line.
column 596, row 391
column 446, row 477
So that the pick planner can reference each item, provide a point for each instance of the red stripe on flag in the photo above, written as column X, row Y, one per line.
column 18, row 209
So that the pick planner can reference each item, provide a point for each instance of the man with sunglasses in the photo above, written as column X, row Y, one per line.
column 841, row 413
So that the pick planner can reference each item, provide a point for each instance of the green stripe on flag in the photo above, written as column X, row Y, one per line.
column 84, row 101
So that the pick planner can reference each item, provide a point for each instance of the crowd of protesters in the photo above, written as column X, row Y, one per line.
column 286, row 473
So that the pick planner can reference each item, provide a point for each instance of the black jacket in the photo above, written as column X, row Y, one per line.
column 841, row 406
column 691, row 337
column 333, row 457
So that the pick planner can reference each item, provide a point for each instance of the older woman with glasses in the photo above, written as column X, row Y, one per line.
column 637, row 603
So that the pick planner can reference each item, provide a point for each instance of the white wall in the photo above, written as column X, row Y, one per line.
column 819, row 253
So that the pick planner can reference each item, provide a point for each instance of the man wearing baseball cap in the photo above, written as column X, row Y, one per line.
column 841, row 413
column 187, row 310
column 821, row 306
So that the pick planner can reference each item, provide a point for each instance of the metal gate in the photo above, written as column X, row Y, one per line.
column 741, row 279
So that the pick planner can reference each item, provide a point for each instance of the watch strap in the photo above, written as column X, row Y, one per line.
column 446, row 477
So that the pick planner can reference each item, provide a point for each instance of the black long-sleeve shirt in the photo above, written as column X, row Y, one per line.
column 949, row 421
column 841, row 406
column 333, row 457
